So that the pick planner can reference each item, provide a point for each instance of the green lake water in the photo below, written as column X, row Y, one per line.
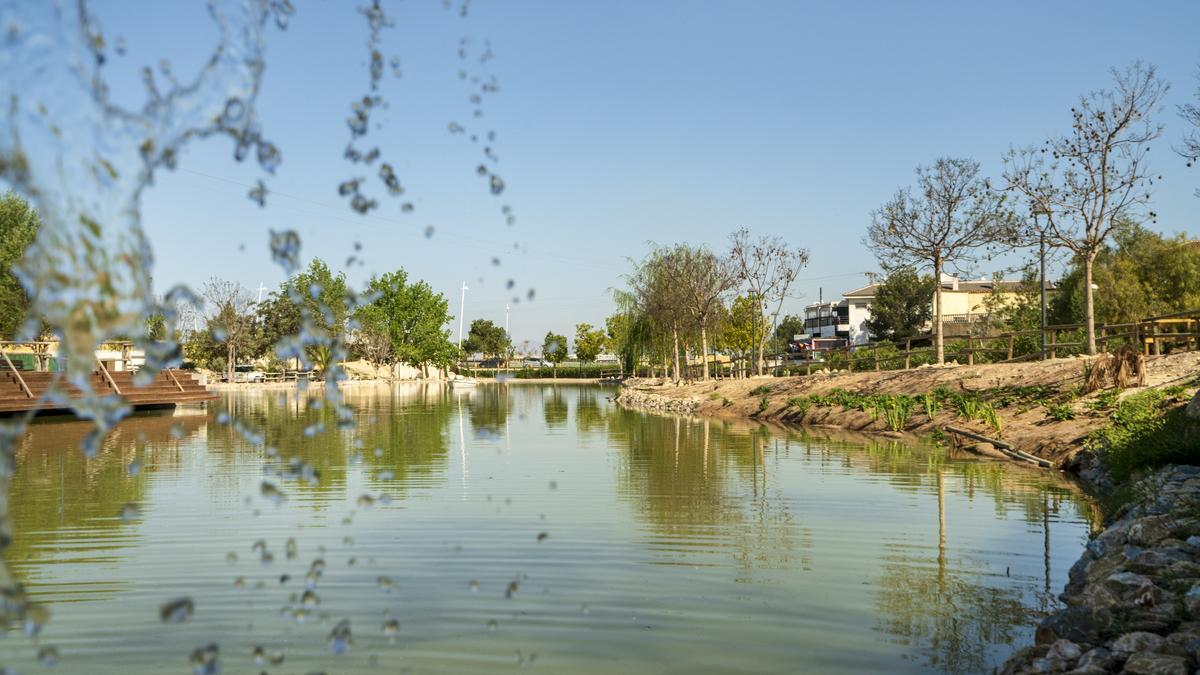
column 527, row 527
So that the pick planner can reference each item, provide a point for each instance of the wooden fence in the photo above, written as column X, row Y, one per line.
column 1152, row 336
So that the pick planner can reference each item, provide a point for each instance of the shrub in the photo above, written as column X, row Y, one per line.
column 1059, row 412
column 760, row 390
column 989, row 416
column 1144, row 431
column 764, row 403
column 967, row 406
column 1105, row 400
column 800, row 404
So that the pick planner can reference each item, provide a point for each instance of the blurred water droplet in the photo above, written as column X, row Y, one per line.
column 48, row 655
column 553, row 485
column 366, row 501
column 390, row 628
column 130, row 512
column 428, row 231
column 239, row 582
column 262, row 657
column 511, row 590
column 584, row 610
column 309, row 598
column 135, row 467
column 387, row 474
column 496, row 184
column 231, row 557
column 339, row 638
column 36, row 617
column 542, row 536
column 492, row 625
column 386, row 584
column 177, row 610
column 272, row 493
column 205, row 660
column 473, row 586
column 290, row 548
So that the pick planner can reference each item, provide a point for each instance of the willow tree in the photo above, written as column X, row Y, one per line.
column 952, row 216
column 1087, row 182
column 767, row 266
column 656, row 293
column 704, row 281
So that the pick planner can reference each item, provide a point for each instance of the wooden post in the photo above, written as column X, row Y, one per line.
column 1050, row 342
column 970, row 352
column 1011, row 337
column 908, row 353
column 875, row 353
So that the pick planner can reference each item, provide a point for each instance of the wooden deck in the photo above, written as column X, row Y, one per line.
column 23, row 390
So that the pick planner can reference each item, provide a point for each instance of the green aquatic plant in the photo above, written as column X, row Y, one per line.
column 896, row 409
column 930, row 404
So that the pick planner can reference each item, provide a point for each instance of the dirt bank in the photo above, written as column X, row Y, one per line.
column 1038, row 408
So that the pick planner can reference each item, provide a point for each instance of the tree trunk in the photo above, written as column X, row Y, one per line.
column 229, row 354
column 939, row 344
column 1089, row 302
column 675, row 348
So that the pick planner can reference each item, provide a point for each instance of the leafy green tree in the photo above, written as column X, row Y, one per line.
column 589, row 342
column 412, row 320
column 229, row 313
column 278, row 318
column 554, row 349
column 486, row 338
column 902, row 306
column 1141, row 273
column 324, row 307
column 744, row 329
column 19, row 225
column 789, row 326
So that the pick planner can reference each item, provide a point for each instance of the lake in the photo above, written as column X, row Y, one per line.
column 529, row 526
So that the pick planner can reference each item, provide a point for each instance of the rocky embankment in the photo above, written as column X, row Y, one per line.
column 1133, row 598
column 633, row 398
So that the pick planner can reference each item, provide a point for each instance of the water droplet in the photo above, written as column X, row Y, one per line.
column 272, row 493
column 553, row 485
column 239, row 582
column 496, row 184
column 309, row 598
column 290, row 548
column 387, row 474
column 366, row 501
column 36, row 617
column 339, row 638
column 511, row 590
column 492, row 625
column 130, row 512
column 231, row 557
column 429, row 232
column 386, row 584
column 584, row 610
column 135, row 467
column 48, row 655
column 205, row 660
column 177, row 610
column 542, row 536
column 473, row 586
column 262, row 657
column 481, row 170
column 390, row 628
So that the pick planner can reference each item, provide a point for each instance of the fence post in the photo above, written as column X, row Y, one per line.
column 1011, row 337
column 970, row 352
column 875, row 352
column 908, row 353
column 1050, row 342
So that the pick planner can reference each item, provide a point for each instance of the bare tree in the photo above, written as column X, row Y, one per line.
column 1088, row 181
column 229, row 311
column 1190, row 149
column 767, row 266
column 953, row 215
column 704, row 282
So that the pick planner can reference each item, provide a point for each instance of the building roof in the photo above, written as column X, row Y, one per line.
column 969, row 286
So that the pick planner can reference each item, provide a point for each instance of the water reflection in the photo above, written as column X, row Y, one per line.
column 658, row 541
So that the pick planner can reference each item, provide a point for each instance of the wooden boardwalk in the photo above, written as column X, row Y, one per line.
column 23, row 390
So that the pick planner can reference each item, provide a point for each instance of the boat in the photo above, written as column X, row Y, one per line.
column 463, row 382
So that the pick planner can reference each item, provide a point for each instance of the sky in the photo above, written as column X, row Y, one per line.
column 622, row 123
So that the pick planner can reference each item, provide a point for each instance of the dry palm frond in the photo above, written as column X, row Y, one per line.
column 1123, row 368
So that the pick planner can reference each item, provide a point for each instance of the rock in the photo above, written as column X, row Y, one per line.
column 1065, row 650
column 1137, row 641
column 1098, row 658
column 1149, row 663
column 1191, row 602
column 1193, row 407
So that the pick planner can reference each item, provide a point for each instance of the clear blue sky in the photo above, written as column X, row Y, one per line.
column 623, row 122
